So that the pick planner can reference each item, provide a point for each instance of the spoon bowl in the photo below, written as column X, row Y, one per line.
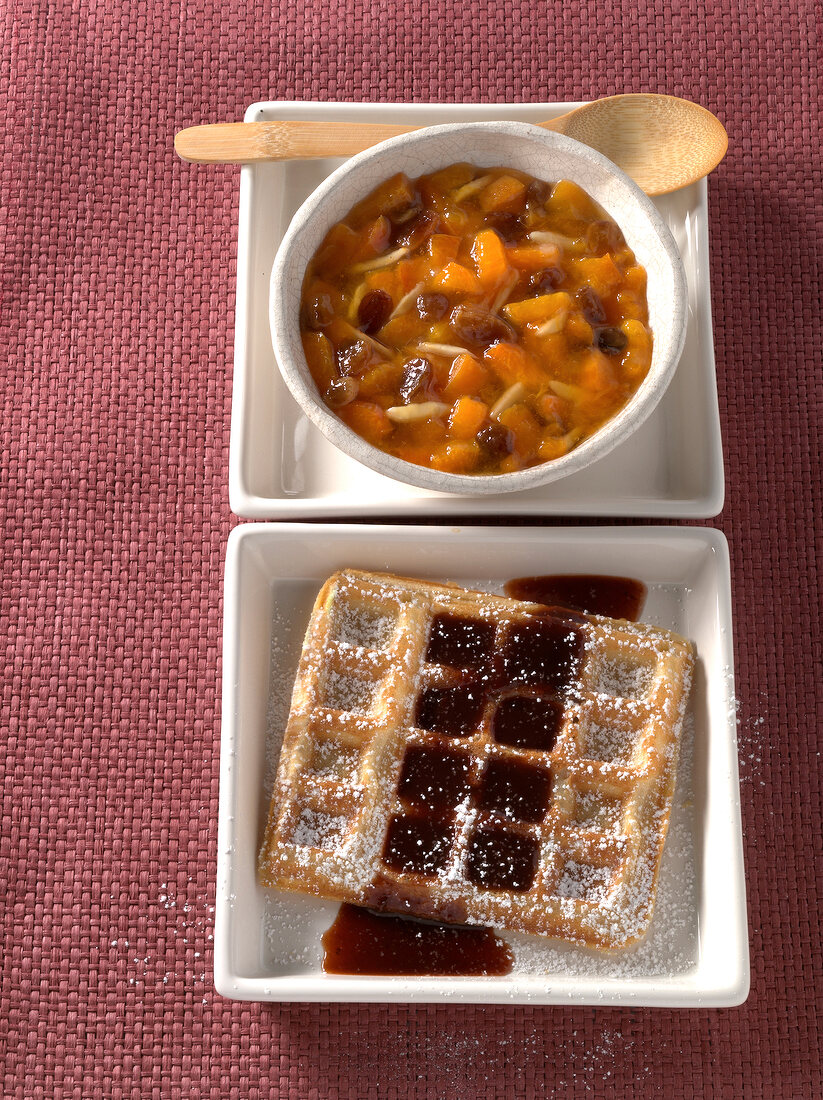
column 661, row 142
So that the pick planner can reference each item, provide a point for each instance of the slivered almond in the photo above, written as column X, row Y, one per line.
column 406, row 300
column 424, row 410
column 429, row 347
column 547, row 236
column 504, row 292
column 380, row 261
column 508, row 398
column 470, row 188
column 553, row 325
column 563, row 389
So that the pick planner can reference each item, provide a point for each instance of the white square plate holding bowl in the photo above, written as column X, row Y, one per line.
column 268, row 942
column 282, row 467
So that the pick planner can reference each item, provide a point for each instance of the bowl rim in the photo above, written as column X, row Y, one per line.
column 615, row 431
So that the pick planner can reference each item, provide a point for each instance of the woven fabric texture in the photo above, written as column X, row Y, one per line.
column 117, row 322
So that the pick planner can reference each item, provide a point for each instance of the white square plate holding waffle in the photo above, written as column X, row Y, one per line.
column 281, row 467
column 268, row 942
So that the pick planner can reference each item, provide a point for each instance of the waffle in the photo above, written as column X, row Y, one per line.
column 468, row 758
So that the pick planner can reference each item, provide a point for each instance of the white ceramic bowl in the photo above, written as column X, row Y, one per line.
column 531, row 149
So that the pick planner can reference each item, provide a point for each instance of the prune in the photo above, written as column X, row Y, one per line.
column 509, row 226
column 544, row 282
column 318, row 311
column 591, row 305
column 352, row 358
column 495, row 440
column 432, row 307
column 373, row 311
column 416, row 374
column 476, row 325
column 612, row 340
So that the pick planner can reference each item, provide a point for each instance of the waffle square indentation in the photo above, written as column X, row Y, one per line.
column 452, row 711
column 527, row 722
column 516, row 790
column 544, row 652
column 417, row 845
column 501, row 860
column 460, row 642
column 434, row 778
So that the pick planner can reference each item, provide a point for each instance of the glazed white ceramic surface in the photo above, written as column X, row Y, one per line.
column 267, row 943
column 543, row 154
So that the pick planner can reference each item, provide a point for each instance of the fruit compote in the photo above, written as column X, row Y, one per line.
column 476, row 320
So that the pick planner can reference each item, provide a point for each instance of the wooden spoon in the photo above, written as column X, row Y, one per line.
column 661, row 141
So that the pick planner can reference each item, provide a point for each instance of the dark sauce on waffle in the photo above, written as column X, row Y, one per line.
column 615, row 597
column 539, row 660
column 363, row 942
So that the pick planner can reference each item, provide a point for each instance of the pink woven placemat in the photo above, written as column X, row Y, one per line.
column 118, row 301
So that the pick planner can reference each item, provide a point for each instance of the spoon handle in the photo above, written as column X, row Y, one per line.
column 244, row 142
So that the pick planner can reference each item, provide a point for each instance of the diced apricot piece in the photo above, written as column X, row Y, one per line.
column 402, row 330
column 442, row 248
column 382, row 379
column 635, row 278
column 536, row 311
column 457, row 457
column 637, row 357
column 599, row 272
column 457, row 279
column 553, row 447
column 628, row 304
column 466, row 417
column 511, row 364
column 376, row 236
column 320, row 358
column 338, row 250
column 596, row 373
column 419, row 454
column 570, row 199
column 505, row 194
column 524, row 427
column 554, row 411
column 367, row 419
column 394, row 194
column 489, row 254
column 466, row 377
column 578, row 328
column 455, row 175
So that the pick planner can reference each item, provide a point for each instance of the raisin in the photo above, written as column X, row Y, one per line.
column 318, row 312
column 509, row 226
column 432, row 307
column 604, row 236
column 591, row 305
column 416, row 230
column 416, row 374
column 352, row 358
column 495, row 440
column 612, row 340
column 342, row 391
column 539, row 192
column 373, row 311
column 476, row 325
column 542, row 282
